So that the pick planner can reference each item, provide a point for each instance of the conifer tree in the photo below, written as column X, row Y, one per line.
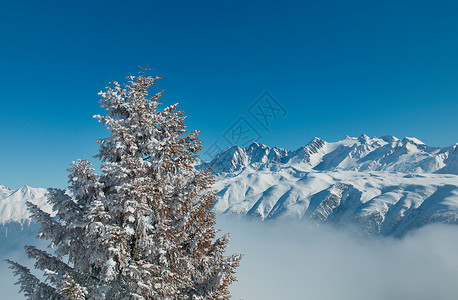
column 144, row 228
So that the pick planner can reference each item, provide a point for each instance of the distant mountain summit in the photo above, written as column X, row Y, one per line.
column 384, row 185
column 386, row 153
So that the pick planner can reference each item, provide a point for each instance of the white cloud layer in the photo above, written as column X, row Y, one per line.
column 293, row 261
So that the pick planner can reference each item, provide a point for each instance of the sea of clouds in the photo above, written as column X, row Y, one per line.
column 298, row 261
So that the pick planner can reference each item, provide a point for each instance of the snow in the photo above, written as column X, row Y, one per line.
column 12, row 203
column 137, row 225
column 414, row 140
column 287, row 193
column 387, row 153
column 389, row 185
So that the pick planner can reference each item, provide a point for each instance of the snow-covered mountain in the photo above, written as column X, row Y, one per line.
column 15, row 223
column 16, row 231
column 12, row 203
column 387, row 153
column 384, row 185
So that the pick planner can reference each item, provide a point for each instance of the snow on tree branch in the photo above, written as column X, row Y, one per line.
column 143, row 228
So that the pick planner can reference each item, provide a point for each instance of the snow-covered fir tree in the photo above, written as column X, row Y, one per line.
column 144, row 228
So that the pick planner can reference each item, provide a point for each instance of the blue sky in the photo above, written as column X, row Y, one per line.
column 336, row 68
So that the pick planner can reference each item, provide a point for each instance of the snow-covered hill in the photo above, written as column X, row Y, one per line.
column 384, row 185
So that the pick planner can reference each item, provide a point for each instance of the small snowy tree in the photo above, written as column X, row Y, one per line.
column 144, row 228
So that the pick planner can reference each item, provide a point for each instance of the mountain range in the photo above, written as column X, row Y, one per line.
column 384, row 186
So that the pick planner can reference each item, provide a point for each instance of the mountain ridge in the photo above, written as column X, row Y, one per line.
column 383, row 185
column 13, row 203
column 387, row 153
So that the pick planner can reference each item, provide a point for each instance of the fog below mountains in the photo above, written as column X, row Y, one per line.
column 294, row 261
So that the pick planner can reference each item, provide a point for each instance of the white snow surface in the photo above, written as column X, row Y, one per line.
column 384, row 185
column 13, row 203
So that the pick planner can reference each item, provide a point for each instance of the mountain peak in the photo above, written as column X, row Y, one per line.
column 363, row 138
column 24, row 188
column 255, row 145
column 316, row 140
column 413, row 140
column 389, row 138
column 315, row 145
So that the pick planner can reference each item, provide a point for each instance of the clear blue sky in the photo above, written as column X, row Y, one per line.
column 336, row 67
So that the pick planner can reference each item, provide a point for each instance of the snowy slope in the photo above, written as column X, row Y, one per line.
column 384, row 185
column 12, row 203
